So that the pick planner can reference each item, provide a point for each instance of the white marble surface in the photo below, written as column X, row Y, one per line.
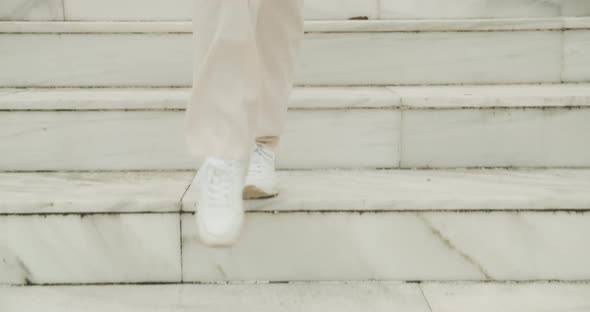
column 95, row 27
column 522, row 297
column 113, row 140
column 491, row 96
column 92, row 192
column 95, row 60
column 575, row 8
column 381, row 59
column 576, row 65
column 502, row 134
column 407, row 58
column 162, row 10
column 94, row 99
column 4, row 92
column 347, row 297
column 325, row 190
column 89, row 248
column 177, row 98
column 140, row 140
column 341, row 139
column 424, row 9
column 370, row 220
column 573, row 23
column 401, row 190
column 520, row 246
column 43, row 10
column 343, row 98
column 414, row 97
column 316, row 297
column 128, row 10
column 430, row 25
column 180, row 10
column 326, row 246
column 396, row 246
column 341, row 9
column 496, row 137
column 338, row 26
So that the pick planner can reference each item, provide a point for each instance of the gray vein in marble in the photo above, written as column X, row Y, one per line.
column 447, row 242
column 22, row 9
column 31, row 10
column 26, row 273
column 425, row 298
column 63, row 9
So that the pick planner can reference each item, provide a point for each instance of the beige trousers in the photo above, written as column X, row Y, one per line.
column 245, row 54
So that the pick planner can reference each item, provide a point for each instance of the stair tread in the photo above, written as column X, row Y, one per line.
column 453, row 96
column 358, row 296
column 176, row 98
column 400, row 25
column 328, row 191
column 85, row 192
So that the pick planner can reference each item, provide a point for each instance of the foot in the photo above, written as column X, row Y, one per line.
column 261, row 180
column 220, row 211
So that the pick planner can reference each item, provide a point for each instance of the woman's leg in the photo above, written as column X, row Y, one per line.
column 279, row 34
column 245, row 53
column 223, row 112
column 223, row 109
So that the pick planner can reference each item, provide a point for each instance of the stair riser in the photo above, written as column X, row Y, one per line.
column 94, row 249
column 380, row 58
column 369, row 138
column 292, row 246
column 156, row 140
column 496, row 137
column 315, row 9
column 397, row 246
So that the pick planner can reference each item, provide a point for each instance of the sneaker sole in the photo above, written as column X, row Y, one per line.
column 252, row 192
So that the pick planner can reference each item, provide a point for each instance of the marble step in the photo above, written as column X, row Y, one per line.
column 409, row 225
column 345, row 297
column 328, row 127
column 158, row 54
column 160, row 10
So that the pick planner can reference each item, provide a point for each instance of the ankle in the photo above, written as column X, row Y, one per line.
column 268, row 142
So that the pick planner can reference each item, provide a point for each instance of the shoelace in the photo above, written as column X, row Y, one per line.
column 220, row 183
column 259, row 158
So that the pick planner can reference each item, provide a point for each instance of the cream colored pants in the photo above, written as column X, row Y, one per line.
column 245, row 53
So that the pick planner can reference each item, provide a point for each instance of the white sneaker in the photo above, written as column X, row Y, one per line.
column 220, row 212
column 261, row 180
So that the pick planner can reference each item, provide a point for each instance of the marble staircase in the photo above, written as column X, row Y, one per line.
column 446, row 169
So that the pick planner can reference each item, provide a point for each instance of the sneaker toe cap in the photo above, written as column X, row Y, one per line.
column 219, row 228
